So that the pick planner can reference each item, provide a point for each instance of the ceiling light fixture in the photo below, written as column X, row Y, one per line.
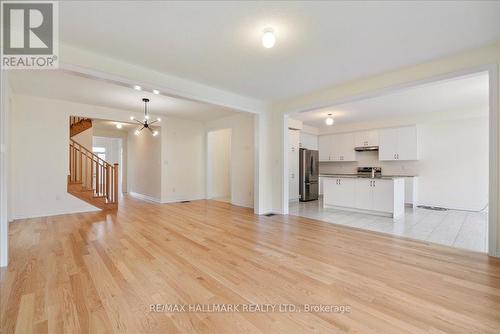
column 145, row 123
column 137, row 87
column 156, row 91
column 268, row 38
column 119, row 126
column 329, row 120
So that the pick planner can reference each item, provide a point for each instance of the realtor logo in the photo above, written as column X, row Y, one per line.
column 29, row 35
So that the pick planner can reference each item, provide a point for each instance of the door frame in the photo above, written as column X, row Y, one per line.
column 493, row 119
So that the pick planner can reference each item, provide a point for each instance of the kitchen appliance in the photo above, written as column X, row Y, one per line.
column 366, row 148
column 309, row 175
column 372, row 172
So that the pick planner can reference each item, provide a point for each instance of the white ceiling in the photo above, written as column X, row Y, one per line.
column 319, row 43
column 467, row 93
column 62, row 85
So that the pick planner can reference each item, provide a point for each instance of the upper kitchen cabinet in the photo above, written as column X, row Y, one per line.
column 398, row 143
column 338, row 147
column 366, row 138
column 325, row 148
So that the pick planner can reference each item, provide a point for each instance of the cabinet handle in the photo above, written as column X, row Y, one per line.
column 394, row 156
column 374, row 183
column 371, row 183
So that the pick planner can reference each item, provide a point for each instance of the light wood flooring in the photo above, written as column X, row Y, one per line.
column 100, row 272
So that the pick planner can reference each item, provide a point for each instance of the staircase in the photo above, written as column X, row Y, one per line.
column 90, row 178
column 78, row 124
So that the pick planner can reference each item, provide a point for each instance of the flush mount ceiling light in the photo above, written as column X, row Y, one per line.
column 145, row 123
column 119, row 126
column 268, row 38
column 329, row 120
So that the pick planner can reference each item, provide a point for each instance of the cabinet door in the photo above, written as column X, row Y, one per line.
column 348, row 153
column 361, row 139
column 364, row 194
column 372, row 137
column 407, row 143
column 347, row 188
column 330, row 191
column 325, row 148
column 336, row 150
column 383, row 195
column 388, row 144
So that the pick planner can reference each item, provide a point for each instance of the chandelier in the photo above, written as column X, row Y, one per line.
column 145, row 124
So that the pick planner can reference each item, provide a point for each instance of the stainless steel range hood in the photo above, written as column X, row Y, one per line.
column 366, row 148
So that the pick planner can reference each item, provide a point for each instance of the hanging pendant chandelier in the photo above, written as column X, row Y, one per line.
column 145, row 124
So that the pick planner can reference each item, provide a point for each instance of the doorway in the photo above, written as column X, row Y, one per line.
column 110, row 150
column 219, row 165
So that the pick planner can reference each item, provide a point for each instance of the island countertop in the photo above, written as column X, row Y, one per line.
column 382, row 177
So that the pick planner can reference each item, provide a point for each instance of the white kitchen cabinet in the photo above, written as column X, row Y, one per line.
column 378, row 196
column 339, row 191
column 364, row 194
column 383, row 195
column 398, row 143
column 366, row 138
column 293, row 164
column 325, row 147
column 338, row 147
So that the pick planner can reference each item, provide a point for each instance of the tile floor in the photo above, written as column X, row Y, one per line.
column 459, row 229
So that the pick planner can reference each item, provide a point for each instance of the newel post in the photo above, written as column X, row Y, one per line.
column 116, row 183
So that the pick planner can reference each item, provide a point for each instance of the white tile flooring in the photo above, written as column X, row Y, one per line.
column 459, row 229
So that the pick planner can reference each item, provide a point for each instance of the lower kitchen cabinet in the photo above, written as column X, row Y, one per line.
column 378, row 196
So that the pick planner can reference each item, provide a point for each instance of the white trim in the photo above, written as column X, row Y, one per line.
column 493, row 159
column 493, row 133
column 198, row 198
column 4, row 214
column 145, row 197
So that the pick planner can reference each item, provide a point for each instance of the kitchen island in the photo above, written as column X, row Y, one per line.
column 381, row 195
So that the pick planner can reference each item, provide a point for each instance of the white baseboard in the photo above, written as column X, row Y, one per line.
column 145, row 197
column 177, row 200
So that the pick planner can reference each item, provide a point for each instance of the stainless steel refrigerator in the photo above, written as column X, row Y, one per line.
column 309, row 175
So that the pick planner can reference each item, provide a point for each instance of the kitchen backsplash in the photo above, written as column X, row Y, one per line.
column 370, row 159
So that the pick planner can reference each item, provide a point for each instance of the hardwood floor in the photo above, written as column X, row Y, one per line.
column 100, row 273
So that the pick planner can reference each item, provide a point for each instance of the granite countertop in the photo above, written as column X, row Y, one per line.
column 383, row 177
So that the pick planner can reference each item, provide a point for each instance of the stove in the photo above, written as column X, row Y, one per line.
column 369, row 172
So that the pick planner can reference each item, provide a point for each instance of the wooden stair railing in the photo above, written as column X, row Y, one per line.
column 93, row 173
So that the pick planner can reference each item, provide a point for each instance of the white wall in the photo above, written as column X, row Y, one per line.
column 40, row 157
column 183, row 155
column 144, row 165
column 242, row 156
column 219, row 164
column 452, row 168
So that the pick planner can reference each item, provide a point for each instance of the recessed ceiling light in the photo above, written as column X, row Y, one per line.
column 329, row 120
column 155, row 133
column 119, row 126
column 268, row 38
column 137, row 87
column 156, row 91
column 136, row 132
column 158, row 119
column 132, row 118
